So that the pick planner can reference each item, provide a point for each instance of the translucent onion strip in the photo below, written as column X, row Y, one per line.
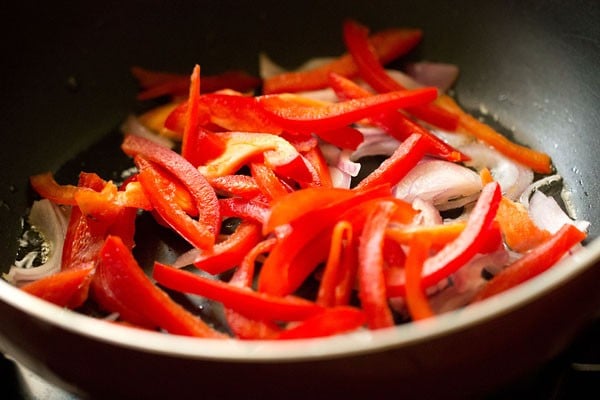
column 50, row 221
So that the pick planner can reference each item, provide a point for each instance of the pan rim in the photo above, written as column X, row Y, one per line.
column 264, row 351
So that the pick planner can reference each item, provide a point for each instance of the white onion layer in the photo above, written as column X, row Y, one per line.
column 447, row 185
column 50, row 221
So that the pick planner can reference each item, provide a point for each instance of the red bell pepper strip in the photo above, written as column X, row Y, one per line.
column 47, row 187
column 202, row 193
column 86, row 233
column 160, row 190
column 395, row 123
column 231, row 251
column 518, row 229
column 416, row 299
column 121, row 284
column 394, row 168
column 243, row 186
column 271, row 186
column 255, row 305
column 241, row 326
column 389, row 45
column 198, row 145
column 235, row 112
column 225, row 111
column 295, row 115
column 371, row 70
column 157, row 83
column 294, row 205
column 331, row 321
column 344, row 137
column 65, row 289
column 536, row 160
column 340, row 270
column 317, row 160
column 284, row 270
column 472, row 240
column 534, row 262
column 248, row 209
column 371, row 281
column 244, row 147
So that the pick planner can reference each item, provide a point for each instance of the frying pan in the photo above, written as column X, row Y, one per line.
column 66, row 87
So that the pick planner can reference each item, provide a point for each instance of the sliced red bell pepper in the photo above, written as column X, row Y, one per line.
column 416, row 299
column 225, row 111
column 160, row 189
column 317, row 160
column 371, row 70
column 294, row 205
column 518, row 229
column 86, row 233
column 371, row 280
column 244, row 147
column 236, row 112
column 198, row 145
column 437, row 235
column 271, row 186
column 472, row 240
column 248, row 209
column 284, row 270
column 344, row 137
column 331, row 321
column 47, row 187
column 394, row 168
column 294, row 114
column 202, row 193
column 241, row 326
column 65, row 289
column 340, row 270
column 158, row 83
column 121, row 286
column 534, row 262
column 243, row 186
column 231, row 251
column 538, row 161
column 255, row 305
column 395, row 123
column 389, row 45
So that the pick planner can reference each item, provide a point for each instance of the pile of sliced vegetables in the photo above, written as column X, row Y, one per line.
column 451, row 216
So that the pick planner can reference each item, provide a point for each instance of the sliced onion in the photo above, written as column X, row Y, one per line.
column 186, row 258
column 547, row 214
column 339, row 178
column 537, row 185
column 467, row 281
column 403, row 79
column 447, row 185
column 50, row 221
column 346, row 164
column 428, row 214
column 267, row 68
column 340, row 159
column 326, row 94
column 454, row 139
column 133, row 126
column 513, row 177
column 376, row 143
column 440, row 75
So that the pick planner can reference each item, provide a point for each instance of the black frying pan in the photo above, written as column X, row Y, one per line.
column 66, row 87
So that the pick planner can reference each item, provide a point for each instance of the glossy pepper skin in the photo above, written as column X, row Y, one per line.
column 371, row 70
